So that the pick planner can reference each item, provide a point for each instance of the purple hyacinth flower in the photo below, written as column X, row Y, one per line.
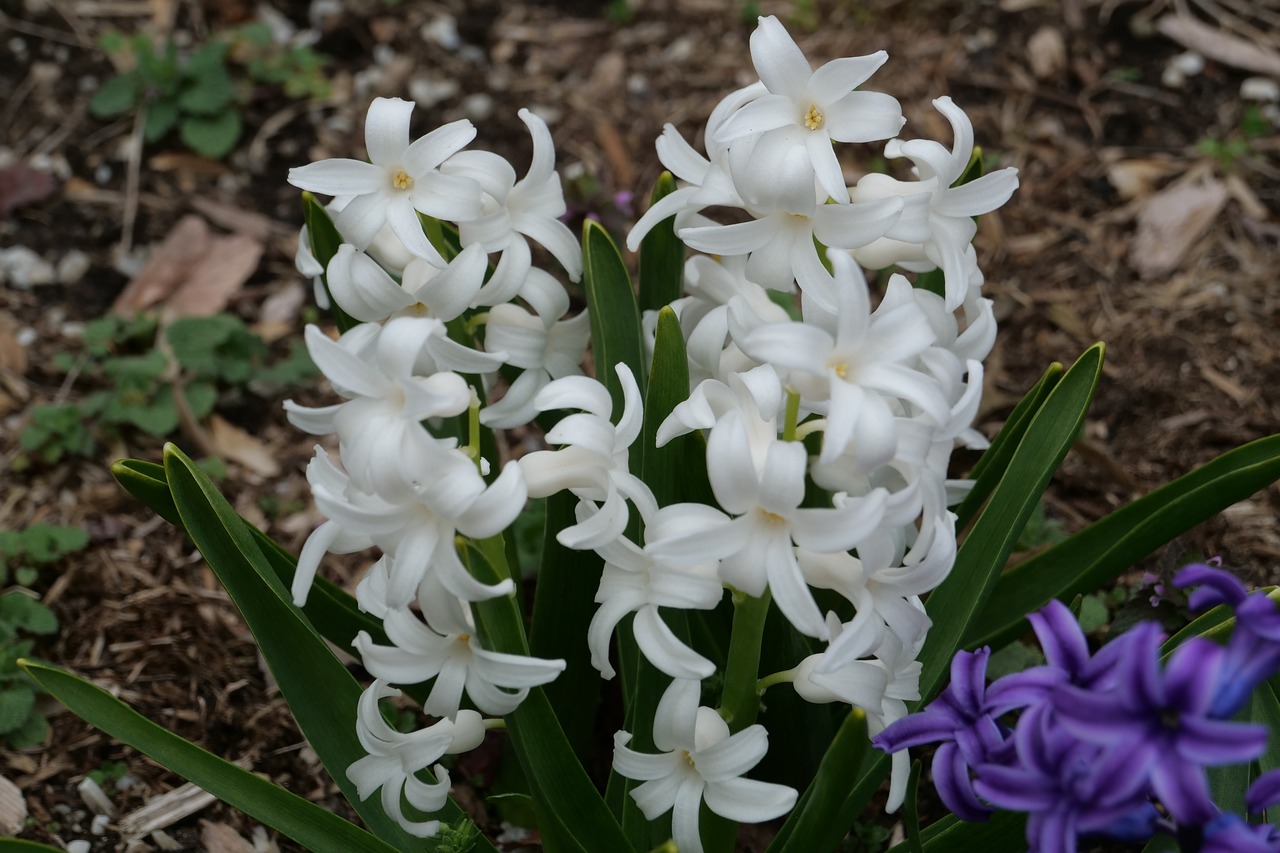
column 1163, row 720
column 1253, row 652
column 962, row 722
column 1068, row 787
column 1263, row 793
column 1230, row 833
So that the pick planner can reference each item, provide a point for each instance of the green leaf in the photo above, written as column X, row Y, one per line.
column 1104, row 549
column 1005, row 833
column 615, row 317
column 23, row 611
column 822, row 802
column 319, row 690
column 310, row 825
column 46, row 543
column 162, row 115
column 661, row 256
column 910, row 810
column 118, row 96
column 16, row 703
column 209, row 95
column 325, row 241
column 212, row 136
column 957, row 602
column 993, row 463
column 569, row 807
column 34, row 732
column 17, row 845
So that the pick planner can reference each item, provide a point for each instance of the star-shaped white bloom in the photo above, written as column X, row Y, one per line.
column 542, row 351
column 394, row 759
column 514, row 210
column 452, row 655
column 402, row 180
column 700, row 761
column 856, row 363
column 803, row 112
column 594, row 462
column 937, row 226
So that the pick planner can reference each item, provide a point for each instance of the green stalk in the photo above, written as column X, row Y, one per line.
column 740, row 701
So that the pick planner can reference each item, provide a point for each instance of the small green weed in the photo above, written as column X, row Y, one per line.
column 196, row 93
column 23, row 553
column 1231, row 150
column 142, row 378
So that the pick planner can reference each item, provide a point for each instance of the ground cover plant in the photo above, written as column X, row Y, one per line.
column 361, row 292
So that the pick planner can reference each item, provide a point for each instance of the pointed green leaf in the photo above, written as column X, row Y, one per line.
column 18, row 845
column 319, row 690
column 310, row 825
column 661, row 256
column 615, row 316
column 1098, row 553
column 992, row 464
column 823, row 802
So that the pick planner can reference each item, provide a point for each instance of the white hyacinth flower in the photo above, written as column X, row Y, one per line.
column 402, row 180
column 394, row 758
column 594, row 463
column 542, row 351
column 515, row 210
column 699, row 761
column 804, row 111
column 856, row 364
column 937, row 227
column 452, row 655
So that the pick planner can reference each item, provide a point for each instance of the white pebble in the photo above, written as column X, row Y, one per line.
column 23, row 269
column 79, row 846
column 1189, row 63
column 72, row 267
column 99, row 825
column 443, row 30
column 477, row 106
column 95, row 798
column 1260, row 89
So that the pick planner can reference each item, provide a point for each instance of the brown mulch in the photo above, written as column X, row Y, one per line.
column 1071, row 93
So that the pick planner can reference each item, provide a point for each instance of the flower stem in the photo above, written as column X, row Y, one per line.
column 740, row 701
column 792, row 416
column 784, row 677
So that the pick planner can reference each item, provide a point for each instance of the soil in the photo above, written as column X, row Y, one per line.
column 1074, row 94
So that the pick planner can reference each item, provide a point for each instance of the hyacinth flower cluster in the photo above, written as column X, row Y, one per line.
column 1113, row 744
column 827, row 434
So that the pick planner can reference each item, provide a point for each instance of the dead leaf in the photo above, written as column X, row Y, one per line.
column 1170, row 223
column 280, row 311
column 13, row 355
column 169, row 265
column 1219, row 45
column 185, row 161
column 20, row 184
column 13, row 808
column 1046, row 53
column 231, row 442
column 220, row 838
column 216, row 277
column 239, row 220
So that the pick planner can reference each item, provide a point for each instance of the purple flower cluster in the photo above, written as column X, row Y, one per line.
column 1110, row 744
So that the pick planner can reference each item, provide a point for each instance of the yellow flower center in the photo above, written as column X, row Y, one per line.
column 464, row 638
column 771, row 517
column 402, row 180
column 688, row 757
column 813, row 119
column 841, row 369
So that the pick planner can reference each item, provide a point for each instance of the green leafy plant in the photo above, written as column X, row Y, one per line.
column 23, row 553
column 194, row 94
column 1228, row 151
column 297, row 69
column 143, row 378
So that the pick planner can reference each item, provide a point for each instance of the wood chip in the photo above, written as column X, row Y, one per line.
column 1170, row 223
column 13, row 808
column 230, row 442
column 1046, row 53
column 1137, row 178
column 220, row 838
column 1219, row 45
column 167, row 809
column 20, row 184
